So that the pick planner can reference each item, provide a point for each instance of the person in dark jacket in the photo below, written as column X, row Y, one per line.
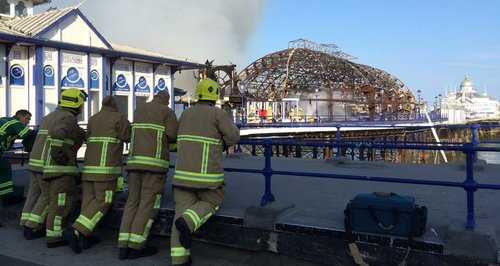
column 205, row 131
column 12, row 128
column 154, row 127
column 106, row 132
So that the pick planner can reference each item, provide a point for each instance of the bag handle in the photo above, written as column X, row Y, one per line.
column 395, row 217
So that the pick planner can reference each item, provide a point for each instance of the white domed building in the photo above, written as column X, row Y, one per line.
column 468, row 104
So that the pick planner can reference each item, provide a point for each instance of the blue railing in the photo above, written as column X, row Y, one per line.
column 469, row 149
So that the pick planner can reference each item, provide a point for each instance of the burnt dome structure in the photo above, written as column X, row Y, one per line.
column 323, row 74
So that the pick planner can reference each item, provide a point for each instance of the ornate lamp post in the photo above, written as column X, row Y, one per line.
column 345, row 111
column 241, row 87
column 382, row 109
column 419, row 92
column 316, row 95
column 440, row 97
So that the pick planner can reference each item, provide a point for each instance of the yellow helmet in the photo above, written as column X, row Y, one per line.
column 207, row 89
column 73, row 98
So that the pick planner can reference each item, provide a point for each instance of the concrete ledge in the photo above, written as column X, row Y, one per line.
column 318, row 245
column 478, row 244
column 265, row 217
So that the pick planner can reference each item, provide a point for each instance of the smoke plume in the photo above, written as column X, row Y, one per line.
column 195, row 30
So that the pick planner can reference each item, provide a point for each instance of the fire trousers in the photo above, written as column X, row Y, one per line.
column 63, row 195
column 97, row 197
column 145, row 191
column 34, row 192
column 36, row 206
column 196, row 207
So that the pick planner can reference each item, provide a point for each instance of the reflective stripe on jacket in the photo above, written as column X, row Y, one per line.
column 41, row 145
column 63, row 133
column 204, row 131
column 11, row 129
column 106, row 131
column 154, row 126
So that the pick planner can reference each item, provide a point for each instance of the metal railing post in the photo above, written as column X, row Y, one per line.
column 475, row 137
column 268, row 172
column 338, row 140
column 470, row 185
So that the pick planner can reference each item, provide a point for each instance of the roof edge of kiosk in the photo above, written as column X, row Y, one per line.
column 34, row 29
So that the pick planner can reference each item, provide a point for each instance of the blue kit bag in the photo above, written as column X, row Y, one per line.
column 385, row 213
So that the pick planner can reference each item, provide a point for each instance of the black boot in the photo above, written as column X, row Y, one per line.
column 124, row 253
column 88, row 242
column 29, row 234
column 72, row 236
column 145, row 252
column 57, row 244
column 184, row 232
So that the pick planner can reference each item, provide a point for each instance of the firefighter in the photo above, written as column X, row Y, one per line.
column 106, row 132
column 12, row 128
column 36, row 205
column 154, row 126
column 198, row 183
column 62, row 137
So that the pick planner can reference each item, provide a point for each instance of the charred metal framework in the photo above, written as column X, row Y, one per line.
column 225, row 76
column 323, row 74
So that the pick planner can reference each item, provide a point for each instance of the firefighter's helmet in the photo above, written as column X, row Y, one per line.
column 73, row 98
column 207, row 90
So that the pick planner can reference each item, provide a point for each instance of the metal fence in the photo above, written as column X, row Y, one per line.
column 470, row 150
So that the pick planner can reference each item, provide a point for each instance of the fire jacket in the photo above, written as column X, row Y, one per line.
column 154, row 126
column 11, row 129
column 54, row 145
column 204, row 132
column 106, row 132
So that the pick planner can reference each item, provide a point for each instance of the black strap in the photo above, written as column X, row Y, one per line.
column 71, row 99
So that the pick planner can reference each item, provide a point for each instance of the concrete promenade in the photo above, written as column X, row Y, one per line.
column 306, row 221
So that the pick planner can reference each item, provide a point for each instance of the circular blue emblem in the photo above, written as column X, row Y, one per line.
column 72, row 75
column 121, row 81
column 161, row 84
column 94, row 75
column 142, row 82
column 17, row 71
column 48, row 71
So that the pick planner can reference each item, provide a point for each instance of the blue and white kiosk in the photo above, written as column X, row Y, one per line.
column 43, row 54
